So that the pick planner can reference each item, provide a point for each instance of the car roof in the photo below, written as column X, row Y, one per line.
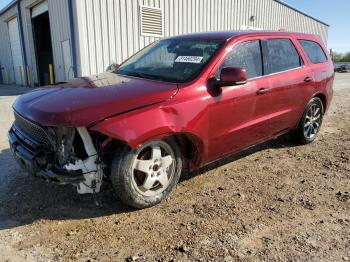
column 227, row 35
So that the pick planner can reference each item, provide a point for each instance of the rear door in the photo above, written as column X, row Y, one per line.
column 289, row 81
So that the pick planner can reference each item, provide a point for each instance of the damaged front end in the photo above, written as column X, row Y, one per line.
column 60, row 154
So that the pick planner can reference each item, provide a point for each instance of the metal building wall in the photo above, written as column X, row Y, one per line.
column 108, row 30
column 5, row 47
column 60, row 31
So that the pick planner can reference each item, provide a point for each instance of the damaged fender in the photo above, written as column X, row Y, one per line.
column 154, row 122
column 139, row 126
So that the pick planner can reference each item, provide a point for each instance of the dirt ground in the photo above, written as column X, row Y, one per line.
column 276, row 202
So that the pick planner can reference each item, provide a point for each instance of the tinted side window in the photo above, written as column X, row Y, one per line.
column 281, row 55
column 245, row 55
column 313, row 51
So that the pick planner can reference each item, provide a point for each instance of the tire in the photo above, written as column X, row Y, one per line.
column 144, row 177
column 310, row 123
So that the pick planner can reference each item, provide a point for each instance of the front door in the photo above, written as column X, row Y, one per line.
column 238, row 116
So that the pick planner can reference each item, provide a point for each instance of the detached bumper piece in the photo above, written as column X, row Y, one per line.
column 63, row 179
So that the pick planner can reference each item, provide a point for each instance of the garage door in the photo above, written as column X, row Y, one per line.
column 16, row 49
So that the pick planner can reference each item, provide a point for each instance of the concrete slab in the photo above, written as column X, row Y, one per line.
column 13, row 90
column 342, row 81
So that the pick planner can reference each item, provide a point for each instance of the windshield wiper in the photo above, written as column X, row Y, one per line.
column 143, row 75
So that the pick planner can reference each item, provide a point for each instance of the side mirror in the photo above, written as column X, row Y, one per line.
column 233, row 76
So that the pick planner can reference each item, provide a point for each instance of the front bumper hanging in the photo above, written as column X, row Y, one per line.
column 86, row 174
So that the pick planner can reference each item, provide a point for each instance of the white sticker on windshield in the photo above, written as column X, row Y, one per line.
column 189, row 59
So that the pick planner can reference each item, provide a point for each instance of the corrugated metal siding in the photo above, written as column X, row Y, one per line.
column 5, row 50
column 60, row 31
column 109, row 31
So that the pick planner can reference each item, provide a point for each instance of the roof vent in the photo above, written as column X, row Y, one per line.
column 151, row 21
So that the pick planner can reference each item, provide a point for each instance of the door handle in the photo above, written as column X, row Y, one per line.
column 262, row 91
column 308, row 79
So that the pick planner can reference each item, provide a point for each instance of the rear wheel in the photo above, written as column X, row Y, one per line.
column 145, row 176
column 311, row 121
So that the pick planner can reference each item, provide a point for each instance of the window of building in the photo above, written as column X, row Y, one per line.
column 314, row 51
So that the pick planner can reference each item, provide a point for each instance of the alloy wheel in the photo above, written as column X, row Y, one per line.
column 313, row 120
column 153, row 168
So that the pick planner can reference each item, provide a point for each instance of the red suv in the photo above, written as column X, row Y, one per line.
column 180, row 103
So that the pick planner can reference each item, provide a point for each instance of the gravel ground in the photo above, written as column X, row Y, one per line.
column 276, row 202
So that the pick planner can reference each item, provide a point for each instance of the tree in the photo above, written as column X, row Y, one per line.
column 346, row 57
column 341, row 57
column 336, row 57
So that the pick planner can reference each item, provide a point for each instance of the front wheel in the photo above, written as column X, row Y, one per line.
column 144, row 177
column 310, row 123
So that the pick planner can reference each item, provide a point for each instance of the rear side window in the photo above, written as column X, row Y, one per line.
column 245, row 55
column 314, row 51
column 281, row 55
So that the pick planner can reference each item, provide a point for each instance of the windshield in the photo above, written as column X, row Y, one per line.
column 171, row 60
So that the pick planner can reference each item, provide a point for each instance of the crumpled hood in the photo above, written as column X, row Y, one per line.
column 83, row 101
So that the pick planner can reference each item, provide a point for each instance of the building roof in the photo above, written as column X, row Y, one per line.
column 301, row 12
column 8, row 6
column 13, row 2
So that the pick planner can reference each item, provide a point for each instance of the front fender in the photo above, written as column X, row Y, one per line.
column 139, row 126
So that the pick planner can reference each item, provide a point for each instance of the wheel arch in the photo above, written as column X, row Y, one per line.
column 323, row 99
column 134, row 132
column 324, row 103
column 191, row 147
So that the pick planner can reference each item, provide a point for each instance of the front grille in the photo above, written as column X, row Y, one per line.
column 33, row 130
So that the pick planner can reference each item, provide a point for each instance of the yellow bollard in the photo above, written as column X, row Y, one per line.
column 29, row 76
column 20, row 75
column 52, row 80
